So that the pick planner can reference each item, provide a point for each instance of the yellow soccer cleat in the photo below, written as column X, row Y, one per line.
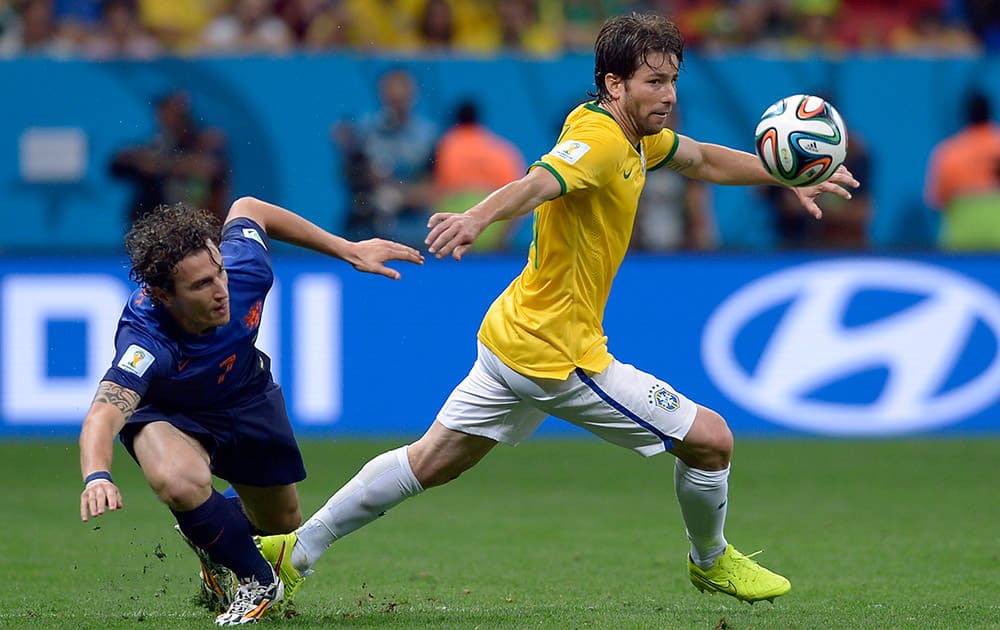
column 737, row 575
column 277, row 550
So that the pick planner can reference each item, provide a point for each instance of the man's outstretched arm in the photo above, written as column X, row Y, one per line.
column 284, row 225
column 455, row 233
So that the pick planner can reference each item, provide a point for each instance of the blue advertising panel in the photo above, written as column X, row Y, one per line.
column 820, row 345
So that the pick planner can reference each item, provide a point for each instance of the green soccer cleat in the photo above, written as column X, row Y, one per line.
column 737, row 575
column 218, row 583
column 277, row 550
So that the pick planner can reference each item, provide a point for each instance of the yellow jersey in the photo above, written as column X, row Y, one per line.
column 549, row 321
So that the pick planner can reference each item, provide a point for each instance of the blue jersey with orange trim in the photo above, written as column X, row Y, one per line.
column 173, row 369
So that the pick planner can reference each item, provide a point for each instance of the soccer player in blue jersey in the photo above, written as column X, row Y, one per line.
column 191, row 396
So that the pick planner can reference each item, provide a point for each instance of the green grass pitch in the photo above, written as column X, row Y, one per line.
column 552, row 534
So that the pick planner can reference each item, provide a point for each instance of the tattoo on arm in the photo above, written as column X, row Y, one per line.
column 680, row 165
column 123, row 398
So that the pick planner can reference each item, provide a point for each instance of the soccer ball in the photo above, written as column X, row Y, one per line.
column 801, row 140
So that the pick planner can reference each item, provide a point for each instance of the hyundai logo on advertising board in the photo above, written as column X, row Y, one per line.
column 858, row 347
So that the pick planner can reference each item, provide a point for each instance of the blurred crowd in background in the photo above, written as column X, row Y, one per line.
column 105, row 29
column 399, row 166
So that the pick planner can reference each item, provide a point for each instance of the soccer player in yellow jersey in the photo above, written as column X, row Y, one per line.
column 542, row 348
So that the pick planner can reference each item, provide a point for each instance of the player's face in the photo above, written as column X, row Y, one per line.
column 200, row 299
column 651, row 93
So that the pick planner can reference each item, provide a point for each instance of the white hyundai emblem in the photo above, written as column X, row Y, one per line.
column 918, row 346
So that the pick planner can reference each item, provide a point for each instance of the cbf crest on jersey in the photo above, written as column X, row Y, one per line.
column 664, row 398
column 136, row 360
column 570, row 151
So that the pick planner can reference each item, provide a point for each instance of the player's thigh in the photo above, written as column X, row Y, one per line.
column 484, row 404
column 627, row 407
column 273, row 509
column 175, row 464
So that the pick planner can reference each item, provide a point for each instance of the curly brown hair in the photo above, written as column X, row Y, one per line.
column 625, row 41
column 165, row 236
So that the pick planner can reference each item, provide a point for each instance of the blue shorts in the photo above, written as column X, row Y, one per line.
column 250, row 444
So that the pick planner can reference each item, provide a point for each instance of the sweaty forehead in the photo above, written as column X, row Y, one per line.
column 660, row 63
column 197, row 265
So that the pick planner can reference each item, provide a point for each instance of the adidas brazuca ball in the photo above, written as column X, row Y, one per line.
column 801, row 140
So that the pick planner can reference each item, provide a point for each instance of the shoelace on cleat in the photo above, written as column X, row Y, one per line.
column 739, row 557
column 249, row 594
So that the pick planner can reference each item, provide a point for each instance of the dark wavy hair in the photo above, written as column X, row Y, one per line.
column 162, row 238
column 625, row 41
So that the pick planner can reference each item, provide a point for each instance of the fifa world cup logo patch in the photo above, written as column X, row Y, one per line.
column 137, row 358
column 664, row 398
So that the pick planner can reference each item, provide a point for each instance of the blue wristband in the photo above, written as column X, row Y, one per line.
column 100, row 474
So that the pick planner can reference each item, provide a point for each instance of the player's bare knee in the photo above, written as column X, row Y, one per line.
column 179, row 493
column 718, row 445
column 723, row 442
column 709, row 443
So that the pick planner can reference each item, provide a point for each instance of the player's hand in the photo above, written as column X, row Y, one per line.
column 98, row 496
column 452, row 234
column 838, row 184
column 370, row 256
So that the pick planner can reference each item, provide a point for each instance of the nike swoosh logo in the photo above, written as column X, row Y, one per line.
column 728, row 587
column 627, row 174
column 182, row 365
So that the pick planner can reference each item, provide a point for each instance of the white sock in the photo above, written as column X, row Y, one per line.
column 702, row 495
column 381, row 484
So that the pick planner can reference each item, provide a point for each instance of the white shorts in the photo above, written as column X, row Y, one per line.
column 622, row 405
